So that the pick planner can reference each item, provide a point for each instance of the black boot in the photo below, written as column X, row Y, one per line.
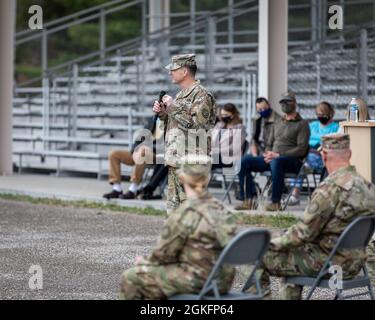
column 112, row 195
column 128, row 196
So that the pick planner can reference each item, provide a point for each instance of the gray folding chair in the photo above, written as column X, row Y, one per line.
column 300, row 175
column 357, row 235
column 247, row 247
column 227, row 187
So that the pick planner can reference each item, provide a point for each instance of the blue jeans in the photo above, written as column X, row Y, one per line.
column 278, row 168
column 314, row 161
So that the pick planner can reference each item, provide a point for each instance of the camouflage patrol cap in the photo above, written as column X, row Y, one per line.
column 195, row 165
column 336, row 141
column 288, row 96
column 180, row 61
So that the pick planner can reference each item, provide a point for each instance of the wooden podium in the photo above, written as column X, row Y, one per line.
column 362, row 143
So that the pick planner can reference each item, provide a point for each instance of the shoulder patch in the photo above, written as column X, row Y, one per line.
column 205, row 113
column 345, row 181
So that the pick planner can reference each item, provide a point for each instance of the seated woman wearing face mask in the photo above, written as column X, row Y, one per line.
column 228, row 137
column 324, row 125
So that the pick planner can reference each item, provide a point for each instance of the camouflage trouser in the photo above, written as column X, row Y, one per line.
column 371, row 261
column 302, row 261
column 176, row 194
column 158, row 282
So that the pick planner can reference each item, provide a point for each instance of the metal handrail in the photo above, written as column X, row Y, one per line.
column 99, row 10
column 131, row 45
column 76, row 21
column 338, row 36
column 75, row 15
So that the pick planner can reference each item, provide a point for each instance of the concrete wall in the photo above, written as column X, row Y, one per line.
column 7, row 22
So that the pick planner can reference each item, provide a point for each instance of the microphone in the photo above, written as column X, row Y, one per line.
column 161, row 95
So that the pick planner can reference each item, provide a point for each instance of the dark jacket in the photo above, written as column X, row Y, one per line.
column 262, row 129
column 290, row 137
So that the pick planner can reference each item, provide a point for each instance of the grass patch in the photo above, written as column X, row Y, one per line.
column 281, row 221
column 149, row 211
column 269, row 221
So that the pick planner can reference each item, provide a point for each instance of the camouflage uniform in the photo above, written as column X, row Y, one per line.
column 192, row 238
column 192, row 113
column 340, row 198
column 371, row 261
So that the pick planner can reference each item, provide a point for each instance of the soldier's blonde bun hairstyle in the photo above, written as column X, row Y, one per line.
column 198, row 183
column 195, row 171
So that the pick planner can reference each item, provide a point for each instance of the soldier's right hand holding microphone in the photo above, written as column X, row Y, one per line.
column 163, row 106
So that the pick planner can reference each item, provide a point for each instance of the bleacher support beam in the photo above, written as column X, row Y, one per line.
column 159, row 18
column 273, row 50
column 7, row 24
column 159, row 11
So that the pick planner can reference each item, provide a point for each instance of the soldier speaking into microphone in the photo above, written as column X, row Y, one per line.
column 192, row 112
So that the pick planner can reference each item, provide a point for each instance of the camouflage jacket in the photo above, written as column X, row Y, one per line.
column 194, row 235
column 192, row 114
column 343, row 196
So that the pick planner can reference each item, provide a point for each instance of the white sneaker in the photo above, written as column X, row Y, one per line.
column 293, row 201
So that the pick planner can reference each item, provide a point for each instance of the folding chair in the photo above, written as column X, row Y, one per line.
column 356, row 236
column 300, row 175
column 227, row 187
column 247, row 247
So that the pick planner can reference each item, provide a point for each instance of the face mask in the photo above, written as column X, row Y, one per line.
column 287, row 108
column 265, row 113
column 226, row 119
column 323, row 119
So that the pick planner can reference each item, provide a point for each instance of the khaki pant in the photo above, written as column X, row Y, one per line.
column 141, row 156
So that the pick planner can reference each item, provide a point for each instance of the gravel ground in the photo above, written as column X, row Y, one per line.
column 82, row 252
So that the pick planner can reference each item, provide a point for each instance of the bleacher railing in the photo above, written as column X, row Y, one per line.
column 335, row 71
column 142, row 50
column 312, row 85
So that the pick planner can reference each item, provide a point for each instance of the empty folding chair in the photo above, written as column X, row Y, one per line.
column 233, row 175
column 246, row 248
column 356, row 236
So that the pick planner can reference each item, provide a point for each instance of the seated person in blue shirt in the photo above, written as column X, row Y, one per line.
column 324, row 125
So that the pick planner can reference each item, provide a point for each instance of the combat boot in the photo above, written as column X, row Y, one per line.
column 248, row 204
column 272, row 207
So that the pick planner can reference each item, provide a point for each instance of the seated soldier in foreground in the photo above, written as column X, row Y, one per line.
column 192, row 239
column 342, row 197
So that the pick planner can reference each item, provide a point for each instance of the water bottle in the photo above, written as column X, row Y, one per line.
column 353, row 111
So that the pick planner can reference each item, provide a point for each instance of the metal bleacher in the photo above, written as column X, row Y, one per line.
column 77, row 112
